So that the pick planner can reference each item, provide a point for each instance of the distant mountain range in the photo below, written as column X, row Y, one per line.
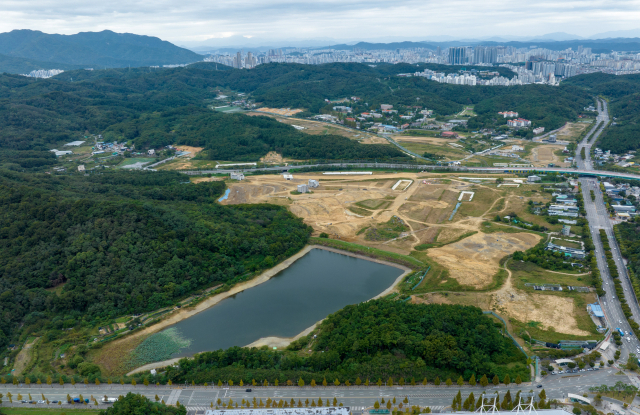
column 27, row 50
column 255, row 44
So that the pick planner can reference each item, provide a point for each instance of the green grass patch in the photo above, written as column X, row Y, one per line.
column 388, row 230
column 528, row 272
column 406, row 260
column 374, row 204
column 360, row 211
column 620, row 396
column 123, row 319
column 493, row 227
column 134, row 160
column 567, row 243
column 361, row 231
column 420, row 133
column 423, row 247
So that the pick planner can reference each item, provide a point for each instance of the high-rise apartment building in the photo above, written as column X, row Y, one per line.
column 457, row 56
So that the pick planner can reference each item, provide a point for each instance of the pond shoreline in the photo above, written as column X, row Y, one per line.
column 263, row 277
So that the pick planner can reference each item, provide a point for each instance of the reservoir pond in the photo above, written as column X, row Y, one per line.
column 314, row 286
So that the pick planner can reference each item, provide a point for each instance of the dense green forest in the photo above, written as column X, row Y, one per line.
column 36, row 115
column 624, row 93
column 628, row 234
column 240, row 137
column 117, row 243
column 373, row 340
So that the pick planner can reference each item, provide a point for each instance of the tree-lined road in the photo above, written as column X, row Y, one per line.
column 358, row 398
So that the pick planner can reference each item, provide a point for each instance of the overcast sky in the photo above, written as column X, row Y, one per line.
column 187, row 21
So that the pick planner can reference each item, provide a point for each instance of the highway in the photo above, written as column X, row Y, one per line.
column 199, row 398
column 598, row 218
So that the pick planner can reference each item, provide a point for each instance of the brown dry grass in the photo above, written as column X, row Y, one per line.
column 552, row 312
column 474, row 260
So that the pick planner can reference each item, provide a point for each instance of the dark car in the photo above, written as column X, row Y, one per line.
column 248, row 390
column 539, row 386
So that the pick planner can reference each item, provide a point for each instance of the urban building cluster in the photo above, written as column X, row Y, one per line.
column 541, row 64
column 43, row 73
column 619, row 199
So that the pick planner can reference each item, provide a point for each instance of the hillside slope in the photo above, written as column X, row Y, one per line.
column 93, row 49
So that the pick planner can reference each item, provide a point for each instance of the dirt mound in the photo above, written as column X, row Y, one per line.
column 272, row 157
column 475, row 260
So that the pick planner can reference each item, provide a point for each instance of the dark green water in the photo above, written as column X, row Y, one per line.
column 316, row 285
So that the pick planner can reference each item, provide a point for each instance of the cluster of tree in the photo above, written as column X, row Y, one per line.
column 544, row 258
column 240, row 137
column 36, row 114
column 124, row 242
column 134, row 403
column 373, row 341
column 624, row 92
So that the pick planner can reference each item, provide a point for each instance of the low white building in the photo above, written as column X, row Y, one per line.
column 313, row 184
column 81, row 167
column 287, row 176
column 303, row 188
column 237, row 176
column 533, row 179
column 151, row 152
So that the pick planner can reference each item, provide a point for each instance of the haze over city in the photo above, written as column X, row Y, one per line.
column 260, row 22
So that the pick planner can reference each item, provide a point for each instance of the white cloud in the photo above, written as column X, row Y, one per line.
column 196, row 20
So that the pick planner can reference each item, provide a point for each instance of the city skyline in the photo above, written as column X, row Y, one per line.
column 199, row 22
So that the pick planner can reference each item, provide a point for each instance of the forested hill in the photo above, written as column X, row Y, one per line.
column 374, row 340
column 118, row 243
column 38, row 114
column 243, row 138
column 91, row 49
column 623, row 134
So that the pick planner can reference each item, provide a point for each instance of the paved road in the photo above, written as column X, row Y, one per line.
column 358, row 398
column 598, row 218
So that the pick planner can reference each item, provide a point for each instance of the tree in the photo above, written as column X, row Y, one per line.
column 73, row 381
column 448, row 382
column 379, row 382
column 134, row 383
column 518, row 380
column 496, row 380
column 388, row 404
column 507, row 379
column 27, row 381
column 241, row 383
column 484, row 381
column 336, row 382
column 39, row 382
column 49, row 380
column 460, row 381
column 61, row 381
column 313, row 383
column 376, row 405
column 98, row 382
column 358, row 381
column 300, row 382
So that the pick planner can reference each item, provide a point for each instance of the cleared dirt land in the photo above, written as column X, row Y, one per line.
column 572, row 131
column 474, row 260
column 544, row 154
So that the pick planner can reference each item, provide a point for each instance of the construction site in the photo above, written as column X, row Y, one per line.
column 444, row 221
